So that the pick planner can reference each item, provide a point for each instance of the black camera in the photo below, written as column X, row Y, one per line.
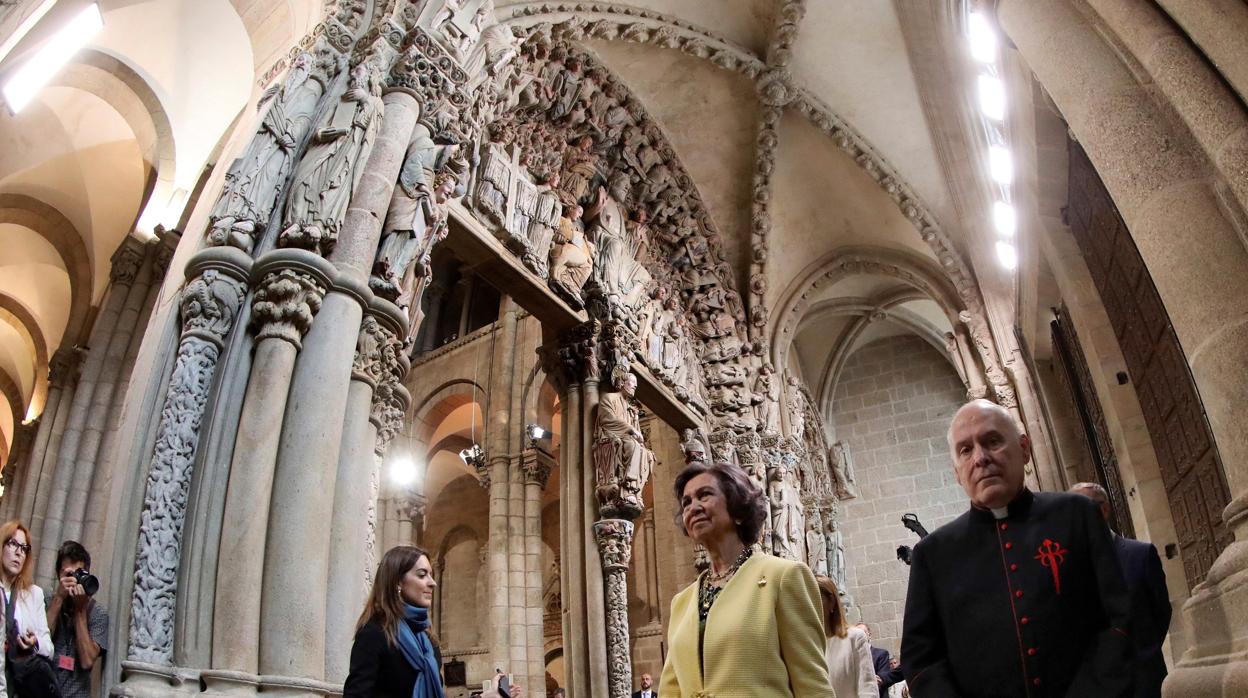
column 89, row 582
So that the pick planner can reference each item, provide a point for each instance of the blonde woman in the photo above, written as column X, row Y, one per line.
column 848, row 651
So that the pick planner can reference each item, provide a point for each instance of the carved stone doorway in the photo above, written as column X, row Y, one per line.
column 1194, row 478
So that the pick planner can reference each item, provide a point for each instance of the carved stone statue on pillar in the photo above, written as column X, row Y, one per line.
column 621, row 460
column 256, row 177
column 331, row 169
column 693, row 447
column 816, row 543
column 795, row 407
column 843, row 470
column 786, row 515
column 767, row 387
column 432, row 175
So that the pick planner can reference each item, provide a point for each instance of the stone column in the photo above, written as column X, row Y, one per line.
column 497, row 439
column 1160, row 185
column 374, row 396
column 209, row 305
column 126, row 264
column 595, row 599
column 614, row 537
column 61, row 378
column 976, row 388
column 562, row 367
column 289, row 287
column 651, row 567
column 100, row 413
column 411, row 509
column 437, row 294
column 292, row 648
column 537, row 466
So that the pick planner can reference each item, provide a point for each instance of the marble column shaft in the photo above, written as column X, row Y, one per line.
column 60, row 383
column 536, row 473
column 296, row 565
column 572, row 542
column 1160, row 184
column 64, row 473
column 245, row 521
column 595, row 592
column 497, row 443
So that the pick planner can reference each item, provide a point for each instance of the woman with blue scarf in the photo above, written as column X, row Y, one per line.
column 394, row 655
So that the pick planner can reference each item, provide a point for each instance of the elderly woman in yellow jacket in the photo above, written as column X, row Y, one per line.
column 751, row 625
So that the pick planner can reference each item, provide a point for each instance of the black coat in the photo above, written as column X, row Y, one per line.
column 986, row 616
column 883, row 668
column 379, row 669
column 1150, row 612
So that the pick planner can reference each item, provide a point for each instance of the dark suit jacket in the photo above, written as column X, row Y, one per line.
column 654, row 691
column 1150, row 612
column 883, row 669
column 1032, row 605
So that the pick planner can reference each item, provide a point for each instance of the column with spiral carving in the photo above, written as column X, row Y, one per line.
column 208, row 307
column 614, row 538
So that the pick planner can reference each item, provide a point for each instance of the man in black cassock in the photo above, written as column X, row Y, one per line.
column 1019, row 596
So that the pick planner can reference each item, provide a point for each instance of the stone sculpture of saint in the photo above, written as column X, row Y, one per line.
column 843, row 470
column 415, row 220
column 795, row 406
column 255, row 178
column 578, row 169
column 331, row 169
column 786, row 525
column 816, row 545
column 571, row 258
column 767, row 387
column 692, row 446
column 622, row 462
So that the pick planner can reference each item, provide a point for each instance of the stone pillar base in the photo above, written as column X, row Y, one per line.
column 142, row 680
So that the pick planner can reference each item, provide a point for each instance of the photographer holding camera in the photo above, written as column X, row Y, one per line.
column 78, row 623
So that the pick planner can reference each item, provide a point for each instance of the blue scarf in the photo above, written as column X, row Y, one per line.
column 418, row 651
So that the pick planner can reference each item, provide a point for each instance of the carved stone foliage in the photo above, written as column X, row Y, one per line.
column 209, row 305
column 614, row 537
column 622, row 461
column 285, row 302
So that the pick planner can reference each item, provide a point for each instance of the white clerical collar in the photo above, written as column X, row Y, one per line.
column 1001, row 513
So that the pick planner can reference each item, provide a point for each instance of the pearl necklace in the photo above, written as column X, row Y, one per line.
column 707, row 593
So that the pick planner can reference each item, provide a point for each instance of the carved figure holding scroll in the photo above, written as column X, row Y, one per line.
column 621, row 459
column 333, row 165
column 767, row 387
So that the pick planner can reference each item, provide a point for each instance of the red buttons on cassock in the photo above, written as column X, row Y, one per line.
column 1008, row 546
column 1024, row 620
column 1005, row 527
column 1013, row 567
column 1035, row 681
column 1018, row 594
column 1031, row 651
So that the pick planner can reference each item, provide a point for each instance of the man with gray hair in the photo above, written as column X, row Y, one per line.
column 1019, row 596
column 1150, row 599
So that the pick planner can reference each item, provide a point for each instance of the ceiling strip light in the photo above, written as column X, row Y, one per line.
column 1004, row 218
column 1000, row 165
column 24, row 28
column 991, row 97
column 982, row 39
column 51, row 57
column 1007, row 255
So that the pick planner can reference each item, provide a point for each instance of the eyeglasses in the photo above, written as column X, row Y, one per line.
column 18, row 547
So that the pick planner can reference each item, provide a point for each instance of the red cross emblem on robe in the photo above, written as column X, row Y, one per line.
column 1051, row 554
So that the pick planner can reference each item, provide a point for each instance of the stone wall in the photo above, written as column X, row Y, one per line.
column 893, row 405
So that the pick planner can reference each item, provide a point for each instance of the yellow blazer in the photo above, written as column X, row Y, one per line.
column 764, row 637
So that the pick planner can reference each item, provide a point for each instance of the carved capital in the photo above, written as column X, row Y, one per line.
column 411, row 506
column 537, row 466
column 126, row 262
column 166, row 246
column 284, row 305
column 210, row 304
column 615, row 543
column 368, row 365
column 65, row 365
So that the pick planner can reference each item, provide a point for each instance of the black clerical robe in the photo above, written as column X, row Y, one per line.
column 1032, row 604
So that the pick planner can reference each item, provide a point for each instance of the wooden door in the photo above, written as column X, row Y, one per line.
column 1194, row 479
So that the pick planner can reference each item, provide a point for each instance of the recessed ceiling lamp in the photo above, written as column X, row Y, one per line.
column 982, row 38
column 403, row 472
column 1007, row 255
column 51, row 57
column 1000, row 165
column 991, row 97
column 1004, row 219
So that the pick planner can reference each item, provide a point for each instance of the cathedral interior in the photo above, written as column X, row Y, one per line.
column 286, row 283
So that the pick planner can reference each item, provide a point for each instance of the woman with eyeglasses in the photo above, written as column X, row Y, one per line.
column 25, row 622
column 393, row 655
